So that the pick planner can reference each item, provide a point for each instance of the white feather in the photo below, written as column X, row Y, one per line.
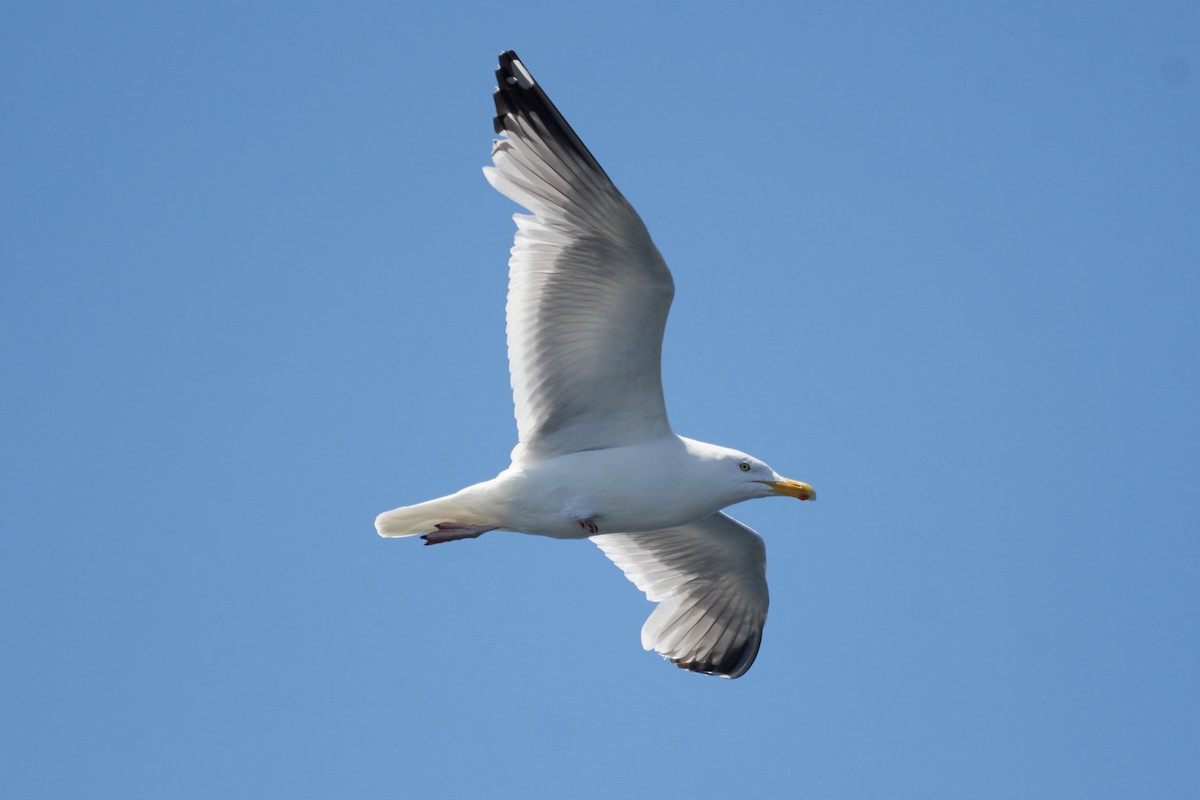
column 588, row 297
column 709, row 579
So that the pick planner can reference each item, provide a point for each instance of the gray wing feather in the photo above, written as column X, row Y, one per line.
column 588, row 291
column 709, row 580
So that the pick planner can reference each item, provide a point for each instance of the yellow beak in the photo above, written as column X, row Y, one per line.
column 793, row 488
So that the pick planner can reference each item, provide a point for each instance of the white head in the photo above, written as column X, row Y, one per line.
column 734, row 476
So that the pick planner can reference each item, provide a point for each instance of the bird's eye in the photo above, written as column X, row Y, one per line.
column 744, row 466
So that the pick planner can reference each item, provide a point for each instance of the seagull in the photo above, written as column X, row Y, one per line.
column 588, row 295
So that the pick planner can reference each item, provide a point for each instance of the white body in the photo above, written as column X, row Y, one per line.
column 647, row 486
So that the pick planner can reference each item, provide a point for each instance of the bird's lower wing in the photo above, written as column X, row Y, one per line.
column 709, row 580
column 588, row 292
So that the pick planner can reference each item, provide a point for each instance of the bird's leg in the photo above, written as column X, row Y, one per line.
column 453, row 531
column 583, row 513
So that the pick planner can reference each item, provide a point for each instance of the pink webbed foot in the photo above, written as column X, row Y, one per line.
column 453, row 531
column 589, row 525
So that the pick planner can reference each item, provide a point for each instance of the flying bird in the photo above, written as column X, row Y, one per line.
column 588, row 296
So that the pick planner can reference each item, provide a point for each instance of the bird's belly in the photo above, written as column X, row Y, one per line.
column 580, row 517
column 568, row 500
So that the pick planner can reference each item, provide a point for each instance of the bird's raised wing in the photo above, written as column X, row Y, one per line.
column 588, row 292
column 710, row 582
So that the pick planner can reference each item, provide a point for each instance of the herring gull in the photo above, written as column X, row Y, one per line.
column 588, row 296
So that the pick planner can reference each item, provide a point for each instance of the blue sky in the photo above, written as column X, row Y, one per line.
column 938, row 259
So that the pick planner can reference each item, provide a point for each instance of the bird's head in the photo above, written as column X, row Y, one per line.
column 748, row 477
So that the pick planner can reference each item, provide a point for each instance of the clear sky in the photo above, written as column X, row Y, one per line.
column 939, row 260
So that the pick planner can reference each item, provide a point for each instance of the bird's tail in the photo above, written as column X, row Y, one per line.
column 425, row 517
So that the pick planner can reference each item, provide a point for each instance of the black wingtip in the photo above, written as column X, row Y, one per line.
column 733, row 664
column 512, row 81
column 519, row 94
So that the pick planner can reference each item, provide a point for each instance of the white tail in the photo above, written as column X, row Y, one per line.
column 424, row 517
